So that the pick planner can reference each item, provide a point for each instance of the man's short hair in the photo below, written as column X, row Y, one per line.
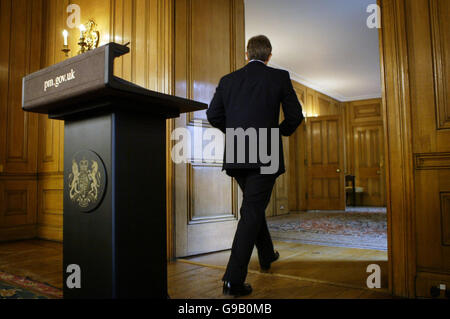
column 259, row 48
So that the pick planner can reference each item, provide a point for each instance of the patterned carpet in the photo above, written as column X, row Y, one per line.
column 367, row 230
column 17, row 287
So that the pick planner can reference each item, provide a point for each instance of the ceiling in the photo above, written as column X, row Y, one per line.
column 324, row 44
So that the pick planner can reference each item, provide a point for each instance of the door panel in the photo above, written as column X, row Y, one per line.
column 325, row 163
column 202, row 190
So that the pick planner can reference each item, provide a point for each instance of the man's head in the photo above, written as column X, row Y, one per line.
column 259, row 48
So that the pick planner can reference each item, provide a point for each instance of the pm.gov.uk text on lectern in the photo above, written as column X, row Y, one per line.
column 114, row 174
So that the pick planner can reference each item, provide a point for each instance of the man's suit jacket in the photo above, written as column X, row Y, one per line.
column 250, row 98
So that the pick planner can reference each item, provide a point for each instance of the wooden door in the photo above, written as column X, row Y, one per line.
column 325, row 163
column 368, row 163
column 209, row 43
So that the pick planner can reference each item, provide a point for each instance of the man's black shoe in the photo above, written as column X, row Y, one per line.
column 236, row 290
column 266, row 267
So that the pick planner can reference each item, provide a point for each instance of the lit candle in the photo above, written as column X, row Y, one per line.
column 82, row 29
column 65, row 35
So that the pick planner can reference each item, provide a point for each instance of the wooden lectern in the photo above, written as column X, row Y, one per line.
column 114, row 174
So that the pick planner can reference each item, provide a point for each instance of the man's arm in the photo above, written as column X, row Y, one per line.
column 292, row 109
column 216, row 110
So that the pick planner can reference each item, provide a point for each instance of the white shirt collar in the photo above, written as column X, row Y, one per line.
column 257, row 61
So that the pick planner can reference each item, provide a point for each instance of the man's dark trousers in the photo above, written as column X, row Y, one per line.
column 252, row 227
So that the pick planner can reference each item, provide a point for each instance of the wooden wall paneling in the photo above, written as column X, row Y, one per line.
column 311, row 103
column 17, row 209
column 5, row 25
column 440, row 37
column 146, row 24
column 123, row 26
column 445, row 217
column 117, row 27
column 279, row 204
column 432, row 212
column 50, row 138
column 327, row 105
column 427, row 95
column 21, row 24
column 365, row 111
column 425, row 280
column 21, row 37
column 51, row 132
column 50, row 208
column 31, row 145
column 435, row 160
column 281, row 192
column 428, row 32
column 296, row 170
column 15, row 146
column 432, row 230
column 49, row 152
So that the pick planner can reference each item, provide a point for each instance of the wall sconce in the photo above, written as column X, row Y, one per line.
column 89, row 38
column 307, row 115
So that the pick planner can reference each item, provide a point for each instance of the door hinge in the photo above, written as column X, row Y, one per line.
column 306, row 195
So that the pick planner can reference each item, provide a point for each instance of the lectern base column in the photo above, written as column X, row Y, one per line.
column 115, row 206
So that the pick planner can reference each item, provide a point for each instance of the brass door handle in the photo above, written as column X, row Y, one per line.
column 338, row 170
column 378, row 172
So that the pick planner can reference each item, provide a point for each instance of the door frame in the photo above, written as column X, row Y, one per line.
column 398, row 153
column 399, row 166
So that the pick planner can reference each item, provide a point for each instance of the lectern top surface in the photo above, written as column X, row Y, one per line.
column 86, row 83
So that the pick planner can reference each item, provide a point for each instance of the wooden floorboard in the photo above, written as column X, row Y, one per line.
column 200, row 277
column 322, row 264
column 36, row 259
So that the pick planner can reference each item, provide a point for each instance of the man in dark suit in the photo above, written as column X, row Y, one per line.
column 246, row 105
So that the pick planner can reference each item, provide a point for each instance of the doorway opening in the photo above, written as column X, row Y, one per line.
column 327, row 215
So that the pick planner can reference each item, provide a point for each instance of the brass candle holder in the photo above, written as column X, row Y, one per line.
column 89, row 38
column 66, row 50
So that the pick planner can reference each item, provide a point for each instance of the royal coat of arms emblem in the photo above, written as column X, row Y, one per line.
column 86, row 180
